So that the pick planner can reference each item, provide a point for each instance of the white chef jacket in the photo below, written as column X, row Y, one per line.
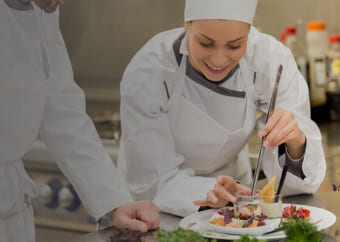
column 156, row 163
column 38, row 96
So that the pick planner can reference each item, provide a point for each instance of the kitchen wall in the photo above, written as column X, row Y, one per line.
column 102, row 35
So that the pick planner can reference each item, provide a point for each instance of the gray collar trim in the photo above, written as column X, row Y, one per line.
column 21, row 5
column 198, row 78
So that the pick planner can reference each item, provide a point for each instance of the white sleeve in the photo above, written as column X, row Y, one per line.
column 293, row 96
column 74, row 143
column 151, row 162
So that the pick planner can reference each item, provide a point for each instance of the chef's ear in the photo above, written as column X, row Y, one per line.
column 187, row 25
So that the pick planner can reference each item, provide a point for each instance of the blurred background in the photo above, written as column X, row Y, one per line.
column 103, row 35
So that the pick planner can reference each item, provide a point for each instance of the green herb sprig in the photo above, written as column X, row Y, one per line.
column 180, row 235
column 301, row 230
column 246, row 238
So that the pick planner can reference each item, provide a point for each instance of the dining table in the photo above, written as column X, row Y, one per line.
column 171, row 222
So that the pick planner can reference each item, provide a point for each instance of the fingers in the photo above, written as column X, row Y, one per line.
column 225, row 180
column 202, row 203
column 280, row 128
column 141, row 215
column 135, row 224
column 213, row 200
column 246, row 190
column 124, row 220
column 226, row 193
column 148, row 213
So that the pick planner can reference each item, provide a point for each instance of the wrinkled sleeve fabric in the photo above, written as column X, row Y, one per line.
column 293, row 95
column 151, row 162
column 73, row 141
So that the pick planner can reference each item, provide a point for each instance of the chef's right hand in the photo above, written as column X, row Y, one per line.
column 224, row 192
column 140, row 215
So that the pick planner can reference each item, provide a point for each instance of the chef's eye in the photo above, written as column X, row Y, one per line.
column 207, row 45
column 234, row 47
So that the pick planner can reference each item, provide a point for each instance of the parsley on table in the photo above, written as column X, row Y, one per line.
column 246, row 238
column 301, row 231
column 180, row 235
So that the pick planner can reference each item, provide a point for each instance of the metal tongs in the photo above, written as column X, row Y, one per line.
column 270, row 110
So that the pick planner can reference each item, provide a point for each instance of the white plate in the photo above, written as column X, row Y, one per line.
column 198, row 222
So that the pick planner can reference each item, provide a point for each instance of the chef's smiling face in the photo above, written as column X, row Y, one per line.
column 48, row 6
column 216, row 46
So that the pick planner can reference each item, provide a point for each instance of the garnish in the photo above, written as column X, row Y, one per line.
column 249, row 221
column 227, row 216
column 292, row 213
column 229, row 221
column 221, row 212
column 301, row 231
column 246, row 211
column 126, row 235
column 246, row 238
column 180, row 235
column 268, row 192
column 261, row 219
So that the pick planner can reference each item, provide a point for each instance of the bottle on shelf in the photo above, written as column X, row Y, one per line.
column 317, row 48
column 334, row 57
column 283, row 37
column 297, row 48
column 333, row 70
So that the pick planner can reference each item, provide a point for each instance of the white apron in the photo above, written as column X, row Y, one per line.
column 210, row 147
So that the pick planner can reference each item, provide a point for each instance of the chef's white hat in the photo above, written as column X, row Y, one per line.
column 240, row 10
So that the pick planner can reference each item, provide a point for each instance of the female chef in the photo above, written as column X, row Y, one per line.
column 189, row 100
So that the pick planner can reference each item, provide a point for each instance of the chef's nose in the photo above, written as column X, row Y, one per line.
column 219, row 58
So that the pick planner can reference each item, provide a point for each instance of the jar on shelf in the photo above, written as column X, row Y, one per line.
column 317, row 48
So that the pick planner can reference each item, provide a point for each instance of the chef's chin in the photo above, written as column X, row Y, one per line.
column 215, row 77
column 49, row 6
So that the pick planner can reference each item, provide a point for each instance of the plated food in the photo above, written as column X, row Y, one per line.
column 246, row 205
column 226, row 221
column 268, row 191
column 199, row 221
column 293, row 213
column 253, row 212
column 227, row 218
column 271, row 204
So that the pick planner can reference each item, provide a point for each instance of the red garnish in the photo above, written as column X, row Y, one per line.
column 261, row 223
column 291, row 212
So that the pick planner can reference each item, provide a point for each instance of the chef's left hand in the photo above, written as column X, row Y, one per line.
column 224, row 192
column 140, row 215
column 282, row 127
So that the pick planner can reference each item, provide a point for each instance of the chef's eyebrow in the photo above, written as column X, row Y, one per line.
column 229, row 42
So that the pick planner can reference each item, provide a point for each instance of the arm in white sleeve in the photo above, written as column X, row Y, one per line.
column 293, row 96
column 74, row 143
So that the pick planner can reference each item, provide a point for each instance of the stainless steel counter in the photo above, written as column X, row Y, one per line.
column 170, row 222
